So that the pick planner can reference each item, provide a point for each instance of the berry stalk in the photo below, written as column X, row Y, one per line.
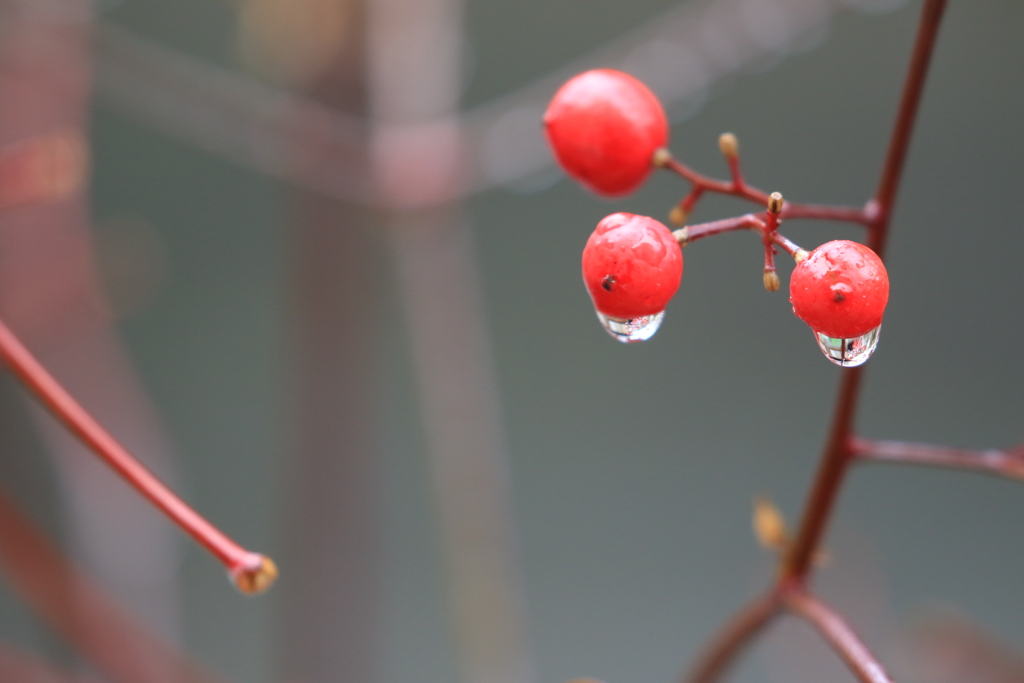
column 251, row 572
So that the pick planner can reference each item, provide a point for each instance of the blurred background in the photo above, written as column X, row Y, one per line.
column 311, row 261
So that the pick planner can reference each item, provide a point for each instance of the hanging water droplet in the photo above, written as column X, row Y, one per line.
column 848, row 353
column 634, row 329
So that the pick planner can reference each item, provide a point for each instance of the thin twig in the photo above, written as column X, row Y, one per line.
column 733, row 637
column 745, row 222
column 250, row 571
column 1000, row 463
column 838, row 634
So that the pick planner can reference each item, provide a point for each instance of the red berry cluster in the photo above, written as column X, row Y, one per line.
column 608, row 131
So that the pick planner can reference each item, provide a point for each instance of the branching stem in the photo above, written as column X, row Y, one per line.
column 840, row 447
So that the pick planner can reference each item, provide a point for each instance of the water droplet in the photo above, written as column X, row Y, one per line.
column 848, row 353
column 634, row 329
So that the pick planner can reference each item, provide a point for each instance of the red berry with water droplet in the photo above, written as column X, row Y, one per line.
column 632, row 266
column 840, row 289
column 604, row 127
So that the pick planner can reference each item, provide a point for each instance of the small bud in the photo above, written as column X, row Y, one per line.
column 682, row 236
column 775, row 203
column 771, row 281
column 661, row 157
column 769, row 526
column 253, row 580
column 729, row 145
column 800, row 255
column 677, row 216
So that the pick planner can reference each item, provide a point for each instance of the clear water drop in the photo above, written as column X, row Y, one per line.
column 634, row 329
column 848, row 353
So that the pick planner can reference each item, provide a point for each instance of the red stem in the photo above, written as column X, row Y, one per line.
column 835, row 458
column 847, row 214
column 746, row 222
column 906, row 116
column 837, row 452
column 734, row 636
column 251, row 571
column 1009, row 463
column 839, row 635
column 738, row 187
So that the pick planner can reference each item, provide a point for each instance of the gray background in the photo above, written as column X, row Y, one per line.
column 633, row 467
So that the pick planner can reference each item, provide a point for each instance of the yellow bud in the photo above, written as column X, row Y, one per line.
column 677, row 216
column 775, row 203
column 771, row 281
column 729, row 145
column 661, row 157
column 769, row 526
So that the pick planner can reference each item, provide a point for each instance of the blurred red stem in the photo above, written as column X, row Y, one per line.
column 734, row 636
column 80, row 423
column 103, row 633
column 1009, row 463
column 839, row 635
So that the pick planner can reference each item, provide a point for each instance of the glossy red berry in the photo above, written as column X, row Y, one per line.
column 604, row 126
column 840, row 289
column 631, row 266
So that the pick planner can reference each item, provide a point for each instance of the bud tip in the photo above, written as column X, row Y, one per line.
column 729, row 145
column 682, row 236
column 661, row 157
column 256, row 578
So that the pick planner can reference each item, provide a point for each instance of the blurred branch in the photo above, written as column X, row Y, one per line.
column 721, row 652
column 234, row 116
column 837, row 633
column 947, row 648
column 680, row 54
column 1002, row 463
column 102, row 632
column 25, row 667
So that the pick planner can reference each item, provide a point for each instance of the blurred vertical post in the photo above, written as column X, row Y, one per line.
column 415, row 49
column 331, row 553
column 51, row 296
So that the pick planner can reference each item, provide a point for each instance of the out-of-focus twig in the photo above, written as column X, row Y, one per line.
column 679, row 54
column 20, row 666
column 102, row 632
column 1002, row 463
column 838, row 634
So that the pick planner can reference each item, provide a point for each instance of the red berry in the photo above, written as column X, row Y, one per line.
column 840, row 289
column 631, row 266
column 604, row 126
